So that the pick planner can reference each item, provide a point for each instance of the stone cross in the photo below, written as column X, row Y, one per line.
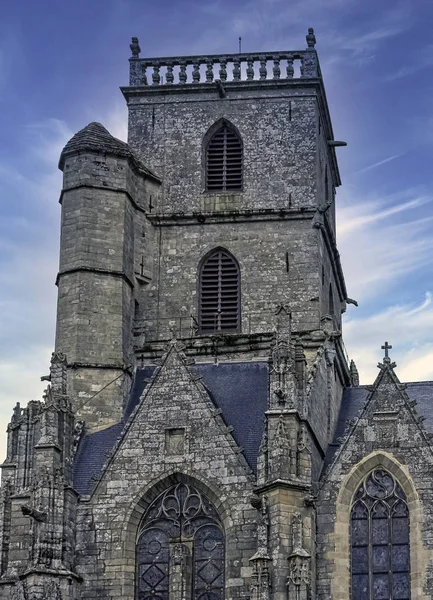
column 386, row 347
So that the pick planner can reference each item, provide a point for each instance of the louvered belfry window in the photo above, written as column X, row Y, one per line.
column 224, row 161
column 219, row 293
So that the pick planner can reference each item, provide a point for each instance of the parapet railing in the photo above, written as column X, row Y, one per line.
column 258, row 66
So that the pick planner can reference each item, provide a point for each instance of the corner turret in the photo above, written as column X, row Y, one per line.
column 106, row 190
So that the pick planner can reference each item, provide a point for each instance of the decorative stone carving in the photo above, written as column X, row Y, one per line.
column 135, row 48
column 311, row 38
column 260, row 579
column 78, row 434
column 262, row 459
column 19, row 591
column 299, row 580
column 354, row 375
column 52, row 591
column 47, row 503
column 280, row 452
column 58, row 373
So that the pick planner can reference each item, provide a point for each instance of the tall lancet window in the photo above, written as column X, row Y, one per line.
column 180, row 548
column 219, row 293
column 224, row 161
column 380, row 566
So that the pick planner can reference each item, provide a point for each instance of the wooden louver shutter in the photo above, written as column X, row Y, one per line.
column 219, row 293
column 224, row 161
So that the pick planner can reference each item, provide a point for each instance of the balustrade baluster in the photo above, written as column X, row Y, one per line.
column 209, row 71
column 263, row 72
column 276, row 70
column 182, row 72
column 196, row 72
column 169, row 77
column 155, row 75
column 223, row 69
column 250, row 69
column 236, row 69
column 290, row 70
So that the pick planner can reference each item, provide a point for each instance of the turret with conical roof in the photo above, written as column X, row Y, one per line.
column 106, row 191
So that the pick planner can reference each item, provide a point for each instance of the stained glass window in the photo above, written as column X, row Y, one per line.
column 180, row 547
column 380, row 567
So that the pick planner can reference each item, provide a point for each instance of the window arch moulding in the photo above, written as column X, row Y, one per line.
column 219, row 293
column 222, row 152
column 180, row 546
column 340, row 540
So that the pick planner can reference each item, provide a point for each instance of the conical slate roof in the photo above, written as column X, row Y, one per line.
column 96, row 138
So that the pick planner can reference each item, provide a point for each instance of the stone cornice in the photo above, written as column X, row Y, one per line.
column 238, row 216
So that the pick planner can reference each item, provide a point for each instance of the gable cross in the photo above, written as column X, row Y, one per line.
column 386, row 347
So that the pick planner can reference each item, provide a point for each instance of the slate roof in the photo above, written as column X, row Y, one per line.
column 239, row 389
column 354, row 399
column 95, row 138
column 92, row 454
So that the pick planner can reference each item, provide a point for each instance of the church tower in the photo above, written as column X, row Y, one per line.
column 199, row 365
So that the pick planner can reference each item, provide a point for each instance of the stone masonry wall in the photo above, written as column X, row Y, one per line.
column 209, row 459
column 260, row 248
column 278, row 130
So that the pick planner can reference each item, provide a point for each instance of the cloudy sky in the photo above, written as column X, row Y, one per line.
column 61, row 64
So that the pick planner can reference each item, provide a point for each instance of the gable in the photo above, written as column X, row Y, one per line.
column 239, row 390
column 354, row 401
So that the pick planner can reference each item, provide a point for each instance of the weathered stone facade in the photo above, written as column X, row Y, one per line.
column 169, row 461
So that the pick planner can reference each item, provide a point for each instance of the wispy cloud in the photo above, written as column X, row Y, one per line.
column 379, row 163
column 407, row 327
column 28, row 262
column 378, row 247
column 422, row 62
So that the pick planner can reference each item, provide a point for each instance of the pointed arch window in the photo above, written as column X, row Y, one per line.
column 331, row 309
column 180, row 548
column 219, row 293
column 224, row 161
column 379, row 531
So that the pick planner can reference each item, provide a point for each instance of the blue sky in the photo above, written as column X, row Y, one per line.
column 61, row 65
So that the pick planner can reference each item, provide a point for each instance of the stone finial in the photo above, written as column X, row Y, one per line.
column 311, row 38
column 354, row 375
column 135, row 47
column 16, row 414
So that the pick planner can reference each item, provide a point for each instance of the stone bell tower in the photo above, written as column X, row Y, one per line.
column 246, row 154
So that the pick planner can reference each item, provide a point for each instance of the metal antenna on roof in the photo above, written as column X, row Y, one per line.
column 240, row 45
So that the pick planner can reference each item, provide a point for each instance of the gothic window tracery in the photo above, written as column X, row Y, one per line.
column 219, row 293
column 380, row 565
column 180, row 548
column 224, row 160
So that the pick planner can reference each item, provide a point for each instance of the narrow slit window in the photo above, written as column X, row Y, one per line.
column 224, row 161
column 219, row 293
column 331, row 309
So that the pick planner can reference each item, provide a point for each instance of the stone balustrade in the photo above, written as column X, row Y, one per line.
column 248, row 67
